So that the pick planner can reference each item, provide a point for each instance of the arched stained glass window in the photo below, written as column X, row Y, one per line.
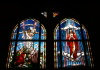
column 28, row 46
column 71, row 45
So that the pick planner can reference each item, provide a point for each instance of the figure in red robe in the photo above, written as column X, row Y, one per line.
column 20, row 59
column 73, row 45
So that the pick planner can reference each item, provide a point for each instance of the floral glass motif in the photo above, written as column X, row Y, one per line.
column 27, row 37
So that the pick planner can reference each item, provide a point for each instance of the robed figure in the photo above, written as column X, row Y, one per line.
column 72, row 38
column 72, row 43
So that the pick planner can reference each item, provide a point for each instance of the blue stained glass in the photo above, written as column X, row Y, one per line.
column 57, row 55
column 43, row 33
column 36, row 45
column 67, row 22
column 27, row 51
column 20, row 36
column 67, row 57
column 32, row 31
column 85, row 34
column 13, row 45
column 69, row 25
column 29, row 29
column 29, row 21
column 63, row 34
column 58, row 46
column 19, row 45
column 42, row 54
column 36, row 37
column 13, row 36
column 58, row 50
column 57, row 34
column 42, row 46
column 72, row 49
column 27, row 44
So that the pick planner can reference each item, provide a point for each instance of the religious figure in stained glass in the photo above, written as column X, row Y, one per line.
column 68, row 36
column 24, row 49
column 73, row 45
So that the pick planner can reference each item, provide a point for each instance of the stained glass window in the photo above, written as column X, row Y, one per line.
column 71, row 45
column 27, row 48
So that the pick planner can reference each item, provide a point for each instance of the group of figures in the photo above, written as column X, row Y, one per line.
column 26, row 57
column 30, row 37
column 28, row 44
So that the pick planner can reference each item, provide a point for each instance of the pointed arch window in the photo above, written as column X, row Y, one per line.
column 71, row 45
column 28, row 45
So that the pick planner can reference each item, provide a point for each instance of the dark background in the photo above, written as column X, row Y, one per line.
column 13, row 13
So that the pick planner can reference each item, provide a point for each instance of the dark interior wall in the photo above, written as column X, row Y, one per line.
column 11, row 14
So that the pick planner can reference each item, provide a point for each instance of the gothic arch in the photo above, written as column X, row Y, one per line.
column 71, row 45
column 27, row 48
